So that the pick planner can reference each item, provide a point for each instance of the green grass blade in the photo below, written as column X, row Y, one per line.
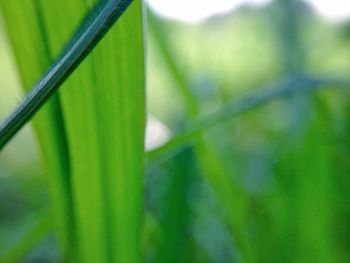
column 157, row 31
column 104, row 117
column 288, row 34
column 306, row 208
column 175, row 224
column 122, row 131
column 33, row 58
column 283, row 89
column 232, row 200
column 213, row 169
column 103, row 105
column 315, row 190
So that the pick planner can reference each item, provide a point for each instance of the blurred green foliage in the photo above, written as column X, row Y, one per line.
column 271, row 185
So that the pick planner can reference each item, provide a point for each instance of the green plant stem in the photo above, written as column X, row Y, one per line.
column 177, row 73
column 285, row 88
column 79, row 47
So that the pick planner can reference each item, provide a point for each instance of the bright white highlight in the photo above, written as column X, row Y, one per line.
column 336, row 10
column 194, row 11
column 156, row 133
column 197, row 10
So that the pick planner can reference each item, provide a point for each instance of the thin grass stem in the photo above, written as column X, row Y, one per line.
column 286, row 88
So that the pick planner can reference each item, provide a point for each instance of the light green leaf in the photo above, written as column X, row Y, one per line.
column 33, row 57
column 103, row 108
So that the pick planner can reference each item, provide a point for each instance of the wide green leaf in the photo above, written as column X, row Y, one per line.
column 103, row 109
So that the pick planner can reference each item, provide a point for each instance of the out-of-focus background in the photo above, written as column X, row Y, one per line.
column 270, row 185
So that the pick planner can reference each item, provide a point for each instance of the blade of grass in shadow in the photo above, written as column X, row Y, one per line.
column 33, row 57
column 305, row 193
column 314, row 189
column 103, row 105
column 233, row 201
column 307, row 207
column 175, row 224
column 341, row 159
column 213, row 169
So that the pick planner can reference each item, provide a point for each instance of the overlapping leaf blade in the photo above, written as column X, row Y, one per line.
column 103, row 111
